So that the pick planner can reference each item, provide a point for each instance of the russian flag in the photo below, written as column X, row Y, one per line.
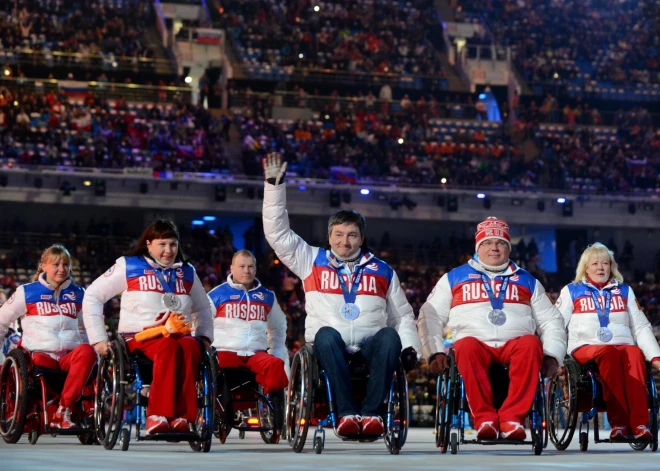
column 73, row 88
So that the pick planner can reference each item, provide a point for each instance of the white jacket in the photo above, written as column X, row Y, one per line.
column 627, row 322
column 49, row 316
column 141, row 300
column 459, row 301
column 380, row 298
column 247, row 322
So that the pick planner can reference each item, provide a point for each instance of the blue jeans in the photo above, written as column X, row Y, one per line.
column 381, row 353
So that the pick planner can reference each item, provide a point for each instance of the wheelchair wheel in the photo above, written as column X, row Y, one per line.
column 562, row 405
column 299, row 399
column 109, row 400
column 584, row 441
column 443, row 406
column 13, row 395
column 125, row 439
column 398, row 409
column 203, row 425
column 223, row 410
column 87, row 438
column 453, row 441
column 33, row 436
column 653, row 416
column 266, row 420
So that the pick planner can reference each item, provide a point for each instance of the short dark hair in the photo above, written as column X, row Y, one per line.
column 347, row 216
column 162, row 228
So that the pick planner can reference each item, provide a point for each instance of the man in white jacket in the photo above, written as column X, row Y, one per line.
column 250, row 329
column 495, row 311
column 354, row 302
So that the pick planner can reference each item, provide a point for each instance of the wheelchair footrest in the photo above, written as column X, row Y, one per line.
column 360, row 438
column 624, row 440
column 171, row 436
column 499, row 442
column 69, row 431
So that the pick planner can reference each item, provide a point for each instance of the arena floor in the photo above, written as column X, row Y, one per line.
column 66, row 454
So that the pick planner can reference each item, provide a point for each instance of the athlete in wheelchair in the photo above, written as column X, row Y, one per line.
column 46, row 383
column 253, row 361
column 605, row 371
column 354, row 303
column 495, row 310
column 161, row 298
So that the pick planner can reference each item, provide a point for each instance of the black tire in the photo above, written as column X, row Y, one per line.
column 13, row 395
column 453, row 442
column 125, row 439
column 562, row 405
column 266, row 419
column 87, row 438
column 33, row 436
column 299, row 399
column 206, row 396
column 109, row 398
column 223, row 410
column 537, row 444
column 442, row 413
column 241, row 434
column 318, row 445
column 584, row 441
column 398, row 409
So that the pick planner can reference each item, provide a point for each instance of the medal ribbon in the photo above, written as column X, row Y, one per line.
column 603, row 312
column 495, row 302
column 350, row 295
column 168, row 287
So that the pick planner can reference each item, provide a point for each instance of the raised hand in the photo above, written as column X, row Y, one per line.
column 274, row 169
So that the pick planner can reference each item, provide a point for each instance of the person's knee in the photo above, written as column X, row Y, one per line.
column 389, row 339
column 530, row 344
column 327, row 337
column 86, row 353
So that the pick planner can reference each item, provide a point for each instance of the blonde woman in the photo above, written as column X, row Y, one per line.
column 49, row 308
column 604, row 320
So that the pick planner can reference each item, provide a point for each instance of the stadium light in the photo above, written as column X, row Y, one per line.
column 301, row 55
column 197, row 222
column 317, row 8
column 87, row 183
column 188, row 79
column 443, row 180
column 364, row 191
column 561, row 200
column 209, row 218
column 400, row 141
column 482, row 96
column 481, row 195
column 302, row 188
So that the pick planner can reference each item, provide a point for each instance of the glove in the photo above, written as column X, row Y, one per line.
column 176, row 324
column 409, row 359
column 274, row 169
column 438, row 363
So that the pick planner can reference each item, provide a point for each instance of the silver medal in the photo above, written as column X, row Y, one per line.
column 497, row 317
column 349, row 311
column 604, row 334
column 172, row 302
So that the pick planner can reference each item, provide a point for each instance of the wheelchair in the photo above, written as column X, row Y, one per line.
column 452, row 405
column 29, row 396
column 309, row 402
column 241, row 404
column 121, row 402
column 577, row 389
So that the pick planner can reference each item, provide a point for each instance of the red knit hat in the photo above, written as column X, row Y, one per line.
column 492, row 228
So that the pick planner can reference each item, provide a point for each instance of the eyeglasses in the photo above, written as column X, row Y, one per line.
column 499, row 243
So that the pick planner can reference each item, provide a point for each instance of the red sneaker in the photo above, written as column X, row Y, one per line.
column 62, row 419
column 487, row 431
column 372, row 425
column 619, row 432
column 642, row 433
column 156, row 424
column 349, row 425
column 179, row 425
column 512, row 431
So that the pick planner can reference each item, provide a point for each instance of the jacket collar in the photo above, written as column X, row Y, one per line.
column 510, row 270
column 611, row 284
column 42, row 280
column 336, row 263
column 154, row 265
column 240, row 287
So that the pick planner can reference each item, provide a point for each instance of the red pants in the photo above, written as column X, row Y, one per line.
column 173, row 391
column 269, row 370
column 524, row 356
column 78, row 363
column 623, row 374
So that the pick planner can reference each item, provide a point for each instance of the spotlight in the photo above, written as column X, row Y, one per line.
column 317, row 8
column 400, row 141
column 67, row 188
column 481, row 195
column 302, row 188
column 220, row 193
column 632, row 208
column 197, row 222
column 443, row 180
column 364, row 191
column 540, row 205
column 301, row 55
column 346, row 197
column 410, row 204
column 395, row 203
column 567, row 208
column 144, row 188
column 99, row 187
column 561, row 200
column 209, row 218
column 87, row 183
column 452, row 204
column 188, row 79
column 335, row 200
